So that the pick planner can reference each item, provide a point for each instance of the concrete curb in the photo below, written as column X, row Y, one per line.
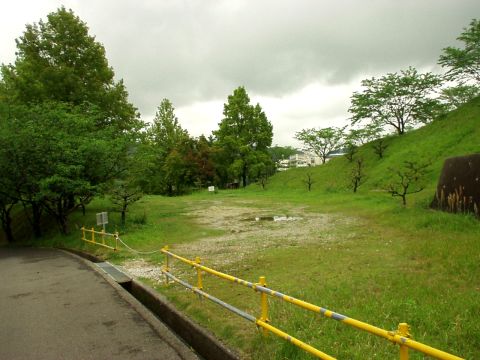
column 142, row 297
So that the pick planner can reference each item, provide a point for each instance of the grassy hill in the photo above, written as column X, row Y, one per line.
column 456, row 134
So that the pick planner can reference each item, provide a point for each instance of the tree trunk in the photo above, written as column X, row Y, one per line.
column 7, row 224
column 36, row 219
column 124, row 211
column 244, row 176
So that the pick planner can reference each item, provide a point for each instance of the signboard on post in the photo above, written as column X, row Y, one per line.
column 102, row 219
column 211, row 188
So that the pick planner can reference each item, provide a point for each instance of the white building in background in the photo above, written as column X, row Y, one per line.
column 304, row 159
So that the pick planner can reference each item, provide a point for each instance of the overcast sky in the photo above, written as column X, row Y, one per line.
column 301, row 60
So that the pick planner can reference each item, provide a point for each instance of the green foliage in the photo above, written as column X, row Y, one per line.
column 243, row 137
column 278, row 153
column 408, row 180
column 164, row 161
column 123, row 193
column 66, row 125
column 398, row 100
column 53, row 154
column 464, row 64
column 455, row 96
column 58, row 60
column 321, row 141
column 456, row 134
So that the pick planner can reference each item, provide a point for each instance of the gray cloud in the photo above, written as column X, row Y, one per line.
column 200, row 50
column 192, row 51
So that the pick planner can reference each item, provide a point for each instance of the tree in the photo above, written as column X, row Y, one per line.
column 123, row 194
column 398, row 100
column 409, row 180
column 244, row 135
column 162, row 157
column 464, row 64
column 308, row 180
column 379, row 147
column 58, row 60
column 455, row 96
column 278, row 153
column 322, row 141
column 357, row 174
column 67, row 125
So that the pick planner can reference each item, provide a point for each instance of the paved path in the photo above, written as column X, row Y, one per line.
column 54, row 305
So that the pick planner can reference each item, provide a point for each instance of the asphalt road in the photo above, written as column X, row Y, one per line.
column 54, row 305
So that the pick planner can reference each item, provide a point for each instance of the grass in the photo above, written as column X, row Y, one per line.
column 387, row 264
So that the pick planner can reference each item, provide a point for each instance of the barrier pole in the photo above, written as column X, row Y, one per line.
column 93, row 235
column 403, row 330
column 264, row 304
column 165, row 267
column 199, row 274
column 295, row 341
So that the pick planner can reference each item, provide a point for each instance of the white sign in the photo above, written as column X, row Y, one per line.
column 102, row 218
column 211, row 188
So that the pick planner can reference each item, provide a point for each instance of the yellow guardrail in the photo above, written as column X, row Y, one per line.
column 102, row 238
column 401, row 336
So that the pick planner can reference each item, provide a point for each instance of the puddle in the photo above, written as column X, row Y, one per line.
column 275, row 218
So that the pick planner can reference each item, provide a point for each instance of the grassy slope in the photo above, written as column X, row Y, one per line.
column 456, row 134
column 392, row 264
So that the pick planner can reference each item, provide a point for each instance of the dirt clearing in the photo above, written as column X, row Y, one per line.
column 247, row 229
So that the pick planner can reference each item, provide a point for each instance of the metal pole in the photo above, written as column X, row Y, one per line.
column 199, row 274
column 403, row 330
column 165, row 267
column 264, row 304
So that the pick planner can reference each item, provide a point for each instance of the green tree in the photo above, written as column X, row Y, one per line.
column 54, row 154
column 321, row 141
column 66, row 124
column 244, row 135
column 278, row 153
column 455, row 96
column 124, row 193
column 398, row 100
column 167, row 154
column 409, row 180
column 58, row 60
column 464, row 64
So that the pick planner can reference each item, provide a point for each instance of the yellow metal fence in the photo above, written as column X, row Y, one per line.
column 104, row 239
column 401, row 336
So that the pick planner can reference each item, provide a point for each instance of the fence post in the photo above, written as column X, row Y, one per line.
column 199, row 275
column 93, row 234
column 83, row 233
column 264, row 304
column 165, row 267
column 403, row 330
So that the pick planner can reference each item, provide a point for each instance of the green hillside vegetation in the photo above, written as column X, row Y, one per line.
column 456, row 134
column 375, row 260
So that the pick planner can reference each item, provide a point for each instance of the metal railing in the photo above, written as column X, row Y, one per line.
column 401, row 336
column 103, row 239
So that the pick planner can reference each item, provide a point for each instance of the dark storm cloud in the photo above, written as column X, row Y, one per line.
column 192, row 51
column 200, row 50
